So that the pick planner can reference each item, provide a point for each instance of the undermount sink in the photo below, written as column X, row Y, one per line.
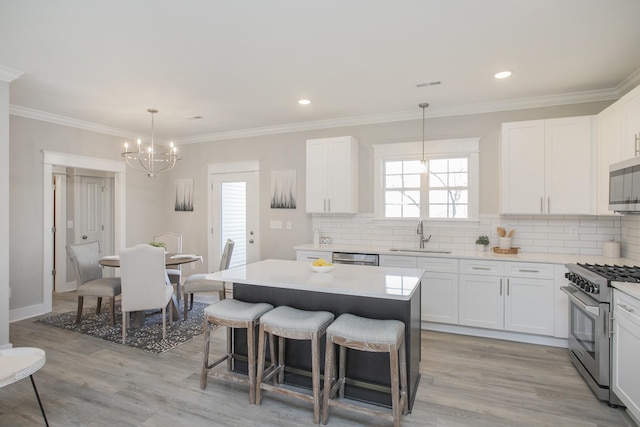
column 426, row 251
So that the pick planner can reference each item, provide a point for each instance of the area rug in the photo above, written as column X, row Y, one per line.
column 147, row 338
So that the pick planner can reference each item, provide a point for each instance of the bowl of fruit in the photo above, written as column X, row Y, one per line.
column 322, row 266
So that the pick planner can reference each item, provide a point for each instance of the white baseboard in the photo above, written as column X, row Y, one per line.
column 66, row 287
column 500, row 335
column 27, row 312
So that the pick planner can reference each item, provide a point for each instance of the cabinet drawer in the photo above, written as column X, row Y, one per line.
column 529, row 269
column 438, row 265
column 488, row 268
column 313, row 255
column 397, row 261
column 627, row 306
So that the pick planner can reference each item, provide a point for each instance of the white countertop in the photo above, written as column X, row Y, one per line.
column 632, row 289
column 357, row 280
column 552, row 258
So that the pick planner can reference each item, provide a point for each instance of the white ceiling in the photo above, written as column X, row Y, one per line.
column 242, row 65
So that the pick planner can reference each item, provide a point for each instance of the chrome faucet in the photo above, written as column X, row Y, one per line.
column 420, row 233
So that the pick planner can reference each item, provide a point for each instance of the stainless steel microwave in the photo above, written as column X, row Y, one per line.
column 624, row 186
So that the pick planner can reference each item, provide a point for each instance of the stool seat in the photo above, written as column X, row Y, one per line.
column 291, row 323
column 237, row 311
column 294, row 320
column 371, row 331
column 371, row 335
column 232, row 314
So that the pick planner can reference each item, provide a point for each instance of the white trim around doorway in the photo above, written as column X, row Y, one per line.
column 50, row 160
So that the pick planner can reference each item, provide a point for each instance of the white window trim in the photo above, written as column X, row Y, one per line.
column 439, row 148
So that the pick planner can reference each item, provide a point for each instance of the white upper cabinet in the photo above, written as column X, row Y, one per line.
column 631, row 136
column 546, row 166
column 609, row 150
column 332, row 175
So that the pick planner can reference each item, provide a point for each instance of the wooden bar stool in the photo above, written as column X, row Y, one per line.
column 232, row 314
column 291, row 323
column 363, row 334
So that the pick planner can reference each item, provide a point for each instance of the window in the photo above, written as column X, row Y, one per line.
column 447, row 191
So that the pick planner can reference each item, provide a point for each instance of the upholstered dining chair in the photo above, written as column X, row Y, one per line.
column 200, row 283
column 89, row 281
column 173, row 244
column 144, row 284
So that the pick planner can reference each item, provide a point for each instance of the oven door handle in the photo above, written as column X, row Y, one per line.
column 595, row 310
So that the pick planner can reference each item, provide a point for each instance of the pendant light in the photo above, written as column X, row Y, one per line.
column 423, row 162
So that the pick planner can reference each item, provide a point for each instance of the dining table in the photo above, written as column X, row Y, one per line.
column 171, row 260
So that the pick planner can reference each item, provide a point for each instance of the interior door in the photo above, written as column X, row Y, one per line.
column 234, row 204
column 91, row 218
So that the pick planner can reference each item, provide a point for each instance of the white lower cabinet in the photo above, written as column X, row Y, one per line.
column 402, row 261
column 625, row 367
column 439, row 290
column 511, row 296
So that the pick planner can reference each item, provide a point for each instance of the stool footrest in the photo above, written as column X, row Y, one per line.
column 287, row 391
column 219, row 361
column 343, row 403
column 272, row 371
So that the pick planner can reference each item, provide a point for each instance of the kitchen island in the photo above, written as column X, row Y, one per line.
column 374, row 292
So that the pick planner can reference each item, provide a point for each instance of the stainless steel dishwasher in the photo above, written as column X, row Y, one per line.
column 355, row 259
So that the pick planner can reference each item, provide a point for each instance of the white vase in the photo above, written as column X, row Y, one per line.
column 504, row 242
column 480, row 247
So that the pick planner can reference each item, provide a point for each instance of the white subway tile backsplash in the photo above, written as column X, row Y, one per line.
column 569, row 234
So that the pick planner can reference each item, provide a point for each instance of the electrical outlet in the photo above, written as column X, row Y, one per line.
column 289, row 225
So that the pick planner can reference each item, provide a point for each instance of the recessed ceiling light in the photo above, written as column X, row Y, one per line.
column 304, row 102
column 502, row 74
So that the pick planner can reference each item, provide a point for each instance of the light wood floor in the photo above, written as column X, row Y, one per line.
column 466, row 381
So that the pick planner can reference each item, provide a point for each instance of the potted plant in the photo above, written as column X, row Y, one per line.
column 481, row 243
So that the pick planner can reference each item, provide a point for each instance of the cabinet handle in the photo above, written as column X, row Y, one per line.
column 549, row 204
column 500, row 287
column 637, row 143
column 522, row 270
column 329, row 203
column 625, row 308
column 541, row 204
column 324, row 208
column 507, row 287
column 481, row 268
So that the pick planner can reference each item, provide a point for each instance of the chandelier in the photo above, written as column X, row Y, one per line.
column 147, row 159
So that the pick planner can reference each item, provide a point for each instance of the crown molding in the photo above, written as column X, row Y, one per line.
column 398, row 116
column 9, row 74
column 30, row 113
column 458, row 110
column 629, row 83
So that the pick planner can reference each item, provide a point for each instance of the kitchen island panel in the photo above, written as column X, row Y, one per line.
column 369, row 368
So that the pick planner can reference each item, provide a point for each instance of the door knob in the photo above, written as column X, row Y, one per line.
column 250, row 240
column 84, row 237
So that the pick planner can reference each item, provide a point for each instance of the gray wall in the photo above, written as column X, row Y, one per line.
column 150, row 201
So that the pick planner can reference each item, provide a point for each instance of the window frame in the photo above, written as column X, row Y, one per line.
column 437, row 149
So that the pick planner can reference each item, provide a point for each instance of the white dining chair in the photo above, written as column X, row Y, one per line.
column 144, row 284
column 173, row 244
column 89, row 281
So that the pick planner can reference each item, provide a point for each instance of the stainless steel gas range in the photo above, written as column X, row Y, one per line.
column 590, row 321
